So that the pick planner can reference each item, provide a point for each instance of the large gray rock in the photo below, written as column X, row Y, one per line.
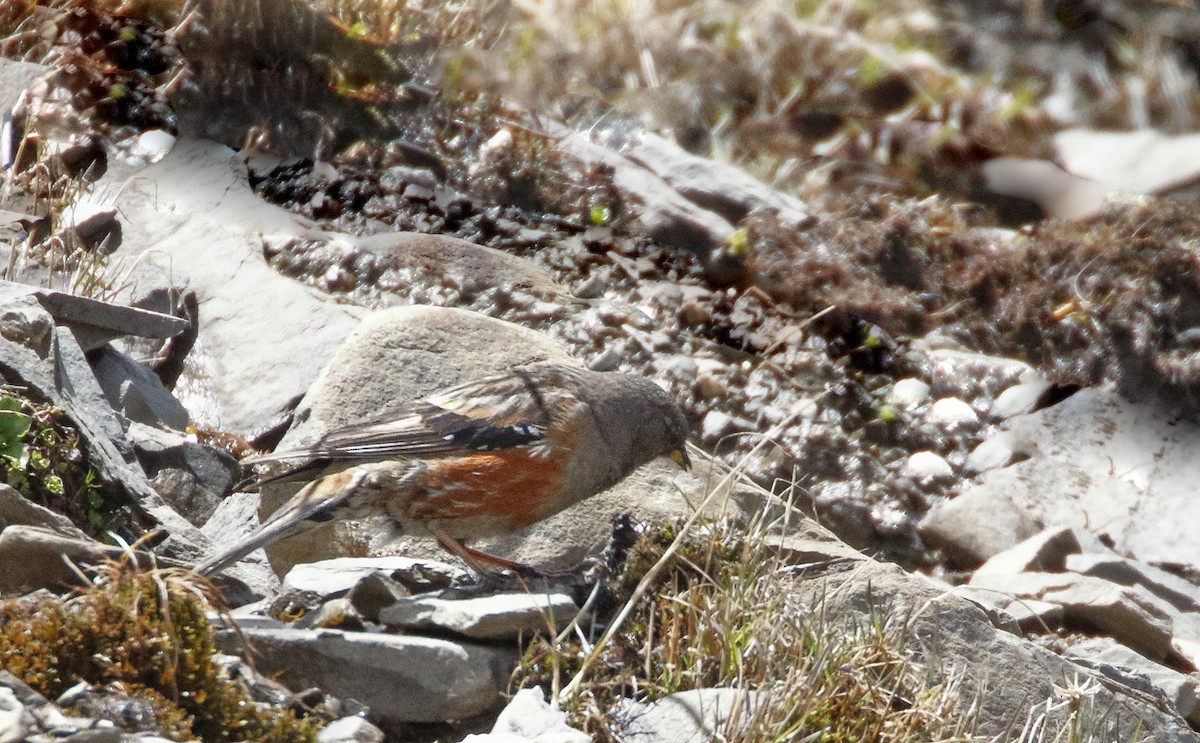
column 976, row 526
column 403, row 679
column 191, row 476
column 405, row 353
column 136, row 392
column 1122, row 664
column 1103, row 463
column 1009, row 679
column 37, row 557
column 394, row 356
column 191, row 219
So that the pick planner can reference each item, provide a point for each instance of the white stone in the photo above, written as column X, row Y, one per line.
column 926, row 465
column 488, row 617
column 12, row 728
column 153, row 145
column 991, row 454
column 952, row 412
column 1019, row 399
column 340, row 574
column 350, row 730
column 529, row 717
column 715, row 425
column 908, row 391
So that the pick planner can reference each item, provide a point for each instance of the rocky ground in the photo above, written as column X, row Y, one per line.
column 924, row 335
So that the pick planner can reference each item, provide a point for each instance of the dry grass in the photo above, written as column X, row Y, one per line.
column 722, row 613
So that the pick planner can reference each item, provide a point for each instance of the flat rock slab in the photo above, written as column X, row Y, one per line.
column 1129, row 614
column 489, row 617
column 1143, row 161
column 403, row 679
column 1181, row 594
column 335, row 577
column 94, row 322
column 1044, row 552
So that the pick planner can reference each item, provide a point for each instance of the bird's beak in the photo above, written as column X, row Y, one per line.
column 680, row 457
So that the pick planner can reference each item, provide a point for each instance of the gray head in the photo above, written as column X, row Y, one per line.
column 637, row 418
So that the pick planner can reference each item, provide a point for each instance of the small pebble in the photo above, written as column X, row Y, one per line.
column 925, row 466
column 910, row 391
column 715, row 425
column 952, row 412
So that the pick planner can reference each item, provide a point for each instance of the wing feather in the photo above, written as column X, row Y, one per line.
column 496, row 412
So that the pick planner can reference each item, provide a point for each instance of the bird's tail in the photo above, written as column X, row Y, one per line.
column 303, row 511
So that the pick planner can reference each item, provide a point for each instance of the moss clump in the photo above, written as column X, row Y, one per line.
column 145, row 635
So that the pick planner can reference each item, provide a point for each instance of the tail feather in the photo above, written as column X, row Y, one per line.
column 295, row 516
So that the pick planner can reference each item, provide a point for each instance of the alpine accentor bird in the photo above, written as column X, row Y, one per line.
column 478, row 459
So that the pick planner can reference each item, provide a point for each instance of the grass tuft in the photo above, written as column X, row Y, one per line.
column 720, row 614
column 144, row 636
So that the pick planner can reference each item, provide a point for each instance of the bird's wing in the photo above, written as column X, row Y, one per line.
column 497, row 412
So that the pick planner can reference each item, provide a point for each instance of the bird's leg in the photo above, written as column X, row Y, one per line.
column 482, row 562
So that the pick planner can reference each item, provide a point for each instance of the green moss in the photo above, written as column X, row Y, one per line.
column 146, row 634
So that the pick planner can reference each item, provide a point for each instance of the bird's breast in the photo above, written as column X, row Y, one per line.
column 485, row 493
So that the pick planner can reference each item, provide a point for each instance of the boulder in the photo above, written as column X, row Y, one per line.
column 401, row 678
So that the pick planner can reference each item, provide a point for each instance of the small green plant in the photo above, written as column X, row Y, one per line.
column 738, row 244
column 14, row 424
column 600, row 214
column 40, row 459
